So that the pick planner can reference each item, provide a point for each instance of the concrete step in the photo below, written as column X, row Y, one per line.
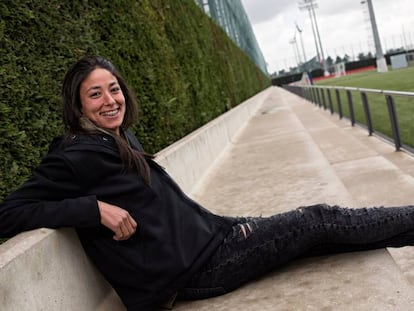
column 290, row 154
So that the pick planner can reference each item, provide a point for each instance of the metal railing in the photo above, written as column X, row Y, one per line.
column 334, row 98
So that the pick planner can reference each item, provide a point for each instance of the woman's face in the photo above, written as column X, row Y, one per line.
column 102, row 99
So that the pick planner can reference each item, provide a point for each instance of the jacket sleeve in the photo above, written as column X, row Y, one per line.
column 51, row 198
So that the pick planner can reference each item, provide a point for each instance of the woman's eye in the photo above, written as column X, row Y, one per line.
column 94, row 95
column 115, row 89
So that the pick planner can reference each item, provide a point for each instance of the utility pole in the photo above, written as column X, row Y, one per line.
column 381, row 62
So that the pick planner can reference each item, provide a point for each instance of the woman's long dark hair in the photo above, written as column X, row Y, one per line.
column 72, row 110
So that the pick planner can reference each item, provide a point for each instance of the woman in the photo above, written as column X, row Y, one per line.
column 149, row 240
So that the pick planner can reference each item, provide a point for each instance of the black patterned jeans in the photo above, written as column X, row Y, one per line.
column 257, row 245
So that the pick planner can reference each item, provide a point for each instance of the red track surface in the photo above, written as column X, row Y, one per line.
column 348, row 72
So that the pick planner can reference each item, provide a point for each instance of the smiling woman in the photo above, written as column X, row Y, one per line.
column 102, row 100
column 94, row 86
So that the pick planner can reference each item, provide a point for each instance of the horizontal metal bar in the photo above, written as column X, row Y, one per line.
column 359, row 89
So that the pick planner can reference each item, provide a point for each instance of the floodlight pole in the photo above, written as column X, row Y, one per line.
column 301, row 42
column 304, row 6
column 310, row 6
column 381, row 62
column 325, row 69
column 295, row 51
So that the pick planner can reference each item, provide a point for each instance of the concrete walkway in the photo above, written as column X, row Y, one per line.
column 292, row 154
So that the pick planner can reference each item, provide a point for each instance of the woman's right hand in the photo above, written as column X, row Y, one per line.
column 118, row 220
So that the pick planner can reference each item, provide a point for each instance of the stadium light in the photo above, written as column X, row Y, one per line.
column 301, row 42
column 381, row 62
column 295, row 50
column 310, row 5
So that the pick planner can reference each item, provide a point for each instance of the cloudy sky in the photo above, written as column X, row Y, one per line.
column 344, row 28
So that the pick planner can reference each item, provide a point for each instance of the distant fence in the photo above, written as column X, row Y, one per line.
column 389, row 114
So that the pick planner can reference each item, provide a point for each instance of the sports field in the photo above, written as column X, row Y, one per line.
column 395, row 80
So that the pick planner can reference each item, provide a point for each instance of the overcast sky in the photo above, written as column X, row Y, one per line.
column 344, row 28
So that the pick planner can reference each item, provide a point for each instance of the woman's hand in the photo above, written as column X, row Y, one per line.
column 118, row 220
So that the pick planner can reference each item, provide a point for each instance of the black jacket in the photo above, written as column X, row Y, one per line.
column 175, row 235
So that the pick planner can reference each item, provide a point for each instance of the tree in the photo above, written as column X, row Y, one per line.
column 329, row 61
column 361, row 56
column 346, row 58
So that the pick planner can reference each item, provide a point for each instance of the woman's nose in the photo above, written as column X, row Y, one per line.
column 108, row 99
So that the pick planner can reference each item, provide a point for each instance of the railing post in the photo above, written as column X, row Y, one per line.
column 338, row 100
column 319, row 97
column 323, row 98
column 330, row 101
column 394, row 121
column 311, row 95
column 300, row 92
column 368, row 119
column 305, row 93
column 314, row 96
column 351, row 107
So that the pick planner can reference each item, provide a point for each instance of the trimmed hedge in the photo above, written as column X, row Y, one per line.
column 183, row 68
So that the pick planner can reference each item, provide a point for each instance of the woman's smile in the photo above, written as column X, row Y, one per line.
column 111, row 113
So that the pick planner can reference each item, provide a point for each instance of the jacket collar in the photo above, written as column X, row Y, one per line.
column 100, row 141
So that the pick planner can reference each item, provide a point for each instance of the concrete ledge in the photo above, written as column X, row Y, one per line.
column 47, row 269
column 188, row 159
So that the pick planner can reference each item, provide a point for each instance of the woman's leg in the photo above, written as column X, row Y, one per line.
column 258, row 245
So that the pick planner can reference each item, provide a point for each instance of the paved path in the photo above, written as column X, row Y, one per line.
column 292, row 153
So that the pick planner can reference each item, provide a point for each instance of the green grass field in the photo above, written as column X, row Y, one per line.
column 395, row 80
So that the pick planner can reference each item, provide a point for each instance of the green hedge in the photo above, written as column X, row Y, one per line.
column 182, row 67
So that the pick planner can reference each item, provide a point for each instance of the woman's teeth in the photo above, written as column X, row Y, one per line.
column 110, row 113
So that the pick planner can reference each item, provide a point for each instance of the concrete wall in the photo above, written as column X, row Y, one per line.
column 47, row 269
column 188, row 159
